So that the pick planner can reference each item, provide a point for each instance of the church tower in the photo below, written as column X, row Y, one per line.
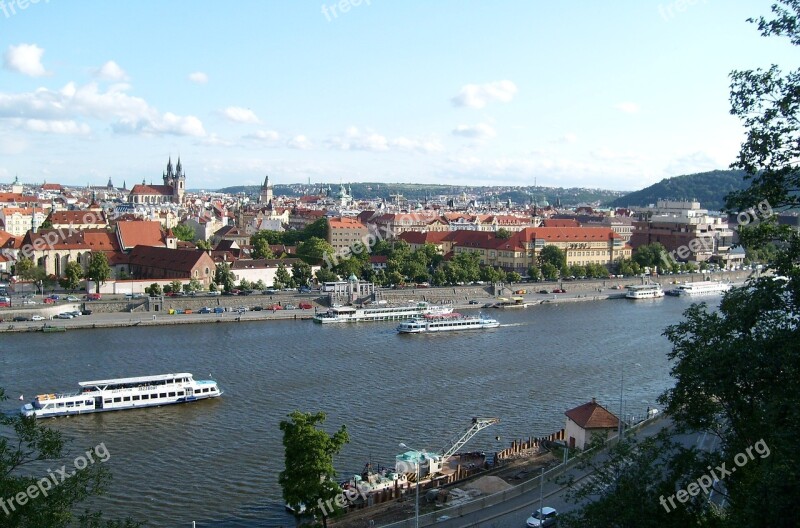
column 179, row 183
column 266, row 192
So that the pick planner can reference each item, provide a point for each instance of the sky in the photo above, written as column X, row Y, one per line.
column 614, row 95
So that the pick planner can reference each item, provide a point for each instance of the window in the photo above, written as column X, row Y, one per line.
column 117, row 400
column 145, row 396
column 180, row 393
column 107, row 400
column 88, row 402
column 162, row 395
column 171, row 394
column 135, row 397
column 126, row 398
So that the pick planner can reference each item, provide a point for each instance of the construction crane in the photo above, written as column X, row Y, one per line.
column 478, row 424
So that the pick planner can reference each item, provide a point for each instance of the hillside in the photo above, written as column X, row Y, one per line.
column 417, row 191
column 709, row 188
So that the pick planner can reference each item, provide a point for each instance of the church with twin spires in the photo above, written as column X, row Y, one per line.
column 172, row 191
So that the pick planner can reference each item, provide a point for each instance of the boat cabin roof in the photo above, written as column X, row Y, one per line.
column 140, row 379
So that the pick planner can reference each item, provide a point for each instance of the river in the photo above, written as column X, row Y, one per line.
column 216, row 462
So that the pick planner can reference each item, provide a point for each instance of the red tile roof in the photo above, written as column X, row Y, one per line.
column 147, row 190
column 592, row 415
column 140, row 233
column 77, row 217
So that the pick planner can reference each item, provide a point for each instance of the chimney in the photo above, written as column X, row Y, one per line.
column 594, row 401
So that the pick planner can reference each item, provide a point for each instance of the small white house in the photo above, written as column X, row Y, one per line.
column 587, row 421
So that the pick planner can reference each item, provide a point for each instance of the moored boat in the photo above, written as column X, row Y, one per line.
column 692, row 289
column 446, row 323
column 644, row 291
column 122, row 393
column 350, row 314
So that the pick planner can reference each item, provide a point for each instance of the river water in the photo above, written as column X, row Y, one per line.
column 216, row 462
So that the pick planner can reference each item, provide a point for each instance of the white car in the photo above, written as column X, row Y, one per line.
column 37, row 317
column 72, row 298
column 541, row 519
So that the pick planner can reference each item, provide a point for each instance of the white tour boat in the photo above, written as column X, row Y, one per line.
column 692, row 289
column 644, row 291
column 446, row 323
column 350, row 314
column 123, row 393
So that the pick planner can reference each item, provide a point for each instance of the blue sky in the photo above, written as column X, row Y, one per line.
column 615, row 95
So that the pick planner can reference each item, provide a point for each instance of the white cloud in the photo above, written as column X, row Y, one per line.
column 25, row 59
column 479, row 95
column 627, row 107
column 692, row 163
column 68, row 127
column 213, row 140
column 198, row 77
column 124, row 113
column 299, row 142
column 264, row 136
column 354, row 139
column 479, row 131
column 111, row 71
column 417, row 145
column 237, row 114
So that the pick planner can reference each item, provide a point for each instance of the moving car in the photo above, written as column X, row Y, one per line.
column 543, row 518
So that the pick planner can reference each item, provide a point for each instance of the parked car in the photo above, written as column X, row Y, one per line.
column 49, row 300
column 54, row 297
column 543, row 291
column 270, row 291
column 242, row 309
column 72, row 298
column 559, row 290
column 215, row 293
column 543, row 518
column 37, row 317
column 305, row 306
column 93, row 296
column 304, row 289
column 289, row 307
column 204, row 310
column 257, row 308
column 473, row 301
column 19, row 318
column 274, row 307
column 219, row 309
column 65, row 315
column 75, row 313
column 86, row 312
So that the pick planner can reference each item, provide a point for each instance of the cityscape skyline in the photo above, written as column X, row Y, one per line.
column 576, row 95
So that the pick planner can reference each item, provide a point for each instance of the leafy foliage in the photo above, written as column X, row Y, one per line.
column 709, row 188
column 98, row 270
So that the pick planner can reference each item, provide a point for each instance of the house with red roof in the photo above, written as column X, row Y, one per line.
column 146, row 262
column 588, row 421
column 53, row 249
column 143, row 233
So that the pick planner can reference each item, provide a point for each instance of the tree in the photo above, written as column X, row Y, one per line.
column 470, row 263
column 259, row 285
column 154, row 290
column 549, row 271
column 318, row 229
column 534, row 273
column 326, row 275
column 282, row 277
column 223, row 276
column 24, row 269
column 301, row 273
column 205, row 245
column 261, row 247
column 194, row 285
column 490, row 274
column 513, row 276
column 348, row 266
column 650, row 255
column 73, row 274
column 183, row 232
column 26, row 441
column 314, row 250
column 176, row 286
column 98, row 271
column 553, row 255
column 309, row 476
column 503, row 234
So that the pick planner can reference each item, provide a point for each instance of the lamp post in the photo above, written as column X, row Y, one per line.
column 416, row 501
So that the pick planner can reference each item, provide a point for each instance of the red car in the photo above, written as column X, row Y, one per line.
column 559, row 290
column 305, row 306
column 93, row 296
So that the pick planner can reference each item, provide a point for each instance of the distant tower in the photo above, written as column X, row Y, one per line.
column 266, row 192
column 179, row 184
column 110, row 185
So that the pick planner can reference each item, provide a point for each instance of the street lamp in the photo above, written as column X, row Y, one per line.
column 416, row 502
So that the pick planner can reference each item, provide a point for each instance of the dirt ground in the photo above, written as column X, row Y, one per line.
column 513, row 472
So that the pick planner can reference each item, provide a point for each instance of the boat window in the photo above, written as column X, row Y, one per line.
column 135, row 397
column 60, row 404
column 145, row 396
column 171, row 394
column 197, row 391
column 107, row 400
column 205, row 390
column 180, row 393
column 88, row 402
column 117, row 400
column 162, row 395
column 126, row 398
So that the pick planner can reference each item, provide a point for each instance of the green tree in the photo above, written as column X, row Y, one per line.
column 98, row 271
column 326, row 275
column 73, row 274
column 26, row 443
column 650, row 255
column 301, row 273
column 503, row 234
column 549, row 271
column 534, row 273
column 348, row 266
column 513, row 276
column 245, row 285
column 261, row 247
column 317, row 229
column 309, row 476
column 282, row 278
column 314, row 250
column 223, row 276
column 183, row 232
column 154, row 290
column 491, row 274
column 552, row 255
column 470, row 263
column 259, row 285
column 205, row 245
column 194, row 285
column 176, row 286
column 24, row 269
